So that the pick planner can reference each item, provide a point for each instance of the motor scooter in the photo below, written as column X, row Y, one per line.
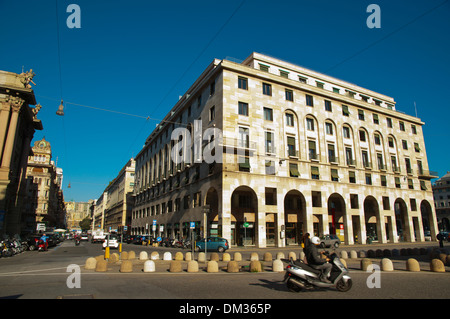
column 300, row 275
column 77, row 241
column 41, row 245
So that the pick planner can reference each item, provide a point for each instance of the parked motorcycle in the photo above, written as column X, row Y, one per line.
column 77, row 241
column 41, row 245
column 5, row 250
column 300, row 276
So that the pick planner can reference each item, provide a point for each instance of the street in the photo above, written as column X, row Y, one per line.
column 37, row 275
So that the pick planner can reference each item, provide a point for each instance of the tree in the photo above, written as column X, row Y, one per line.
column 85, row 224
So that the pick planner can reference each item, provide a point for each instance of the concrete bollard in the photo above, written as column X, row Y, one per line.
column 412, row 265
column 101, row 266
column 114, row 258
column 233, row 266
column 237, row 257
column 124, row 255
column 188, row 256
column 192, row 266
column 154, row 255
column 436, row 265
column 212, row 266
column 344, row 262
column 131, row 255
column 167, row 256
column 395, row 252
column 353, row 254
column 443, row 258
column 362, row 254
column 149, row 266
column 280, row 255
column 226, row 257
column 387, row 253
column 292, row 255
column 179, row 256
column 175, row 266
column 267, row 256
column 143, row 255
column 201, row 257
column 302, row 256
column 365, row 262
column 126, row 266
column 255, row 266
column 277, row 266
column 214, row 257
column 344, row 254
column 386, row 265
column 91, row 263
column 254, row 256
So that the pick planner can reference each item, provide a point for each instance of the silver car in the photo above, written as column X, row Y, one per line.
column 329, row 241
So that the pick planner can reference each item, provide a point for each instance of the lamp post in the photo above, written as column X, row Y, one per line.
column 205, row 227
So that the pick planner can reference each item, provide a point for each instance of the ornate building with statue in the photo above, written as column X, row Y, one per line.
column 18, row 122
column 45, row 200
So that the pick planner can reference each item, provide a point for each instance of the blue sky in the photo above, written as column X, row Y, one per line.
column 137, row 57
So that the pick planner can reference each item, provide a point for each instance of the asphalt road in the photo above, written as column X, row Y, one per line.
column 44, row 275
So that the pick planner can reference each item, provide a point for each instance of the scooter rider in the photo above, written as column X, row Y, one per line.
column 315, row 261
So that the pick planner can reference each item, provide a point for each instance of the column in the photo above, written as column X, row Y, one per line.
column 16, row 104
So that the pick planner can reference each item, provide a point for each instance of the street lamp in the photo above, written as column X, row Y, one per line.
column 60, row 111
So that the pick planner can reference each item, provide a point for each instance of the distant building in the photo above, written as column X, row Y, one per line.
column 18, row 122
column 113, row 208
column 302, row 152
column 76, row 212
column 441, row 193
column 45, row 202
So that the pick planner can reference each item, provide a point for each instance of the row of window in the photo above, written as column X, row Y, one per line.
column 170, row 206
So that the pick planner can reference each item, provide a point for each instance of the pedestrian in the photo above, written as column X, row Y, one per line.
column 440, row 237
column 44, row 238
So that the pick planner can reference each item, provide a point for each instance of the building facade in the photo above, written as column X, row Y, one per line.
column 441, row 193
column 112, row 210
column 273, row 151
column 76, row 212
column 45, row 200
column 18, row 122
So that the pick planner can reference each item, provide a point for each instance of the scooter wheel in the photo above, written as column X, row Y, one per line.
column 293, row 287
column 343, row 285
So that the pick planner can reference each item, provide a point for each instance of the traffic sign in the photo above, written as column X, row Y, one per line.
column 158, row 239
column 246, row 224
column 192, row 225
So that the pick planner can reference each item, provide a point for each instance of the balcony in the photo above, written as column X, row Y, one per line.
column 426, row 174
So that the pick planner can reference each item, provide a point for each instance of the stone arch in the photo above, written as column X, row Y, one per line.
column 244, row 209
column 401, row 219
column 337, row 211
column 429, row 223
column 294, row 216
column 372, row 219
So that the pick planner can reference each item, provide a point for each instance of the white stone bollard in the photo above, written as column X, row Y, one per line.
column 167, row 256
column 277, row 265
column 143, row 255
column 149, row 266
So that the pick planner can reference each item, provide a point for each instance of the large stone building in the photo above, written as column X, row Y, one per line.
column 18, row 122
column 75, row 213
column 441, row 192
column 45, row 201
column 112, row 210
column 302, row 152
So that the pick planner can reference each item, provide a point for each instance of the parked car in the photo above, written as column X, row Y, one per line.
column 212, row 243
column 84, row 236
column 113, row 242
column 330, row 241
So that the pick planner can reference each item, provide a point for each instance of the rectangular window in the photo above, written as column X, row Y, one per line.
column 264, row 67
column 413, row 129
column 389, row 122
column 291, row 146
column 270, row 142
column 405, row 144
column 270, row 168
column 243, row 83
column 243, row 108
column 368, row 179
column 397, row 182
column 362, row 136
column 284, row 74
column 365, row 159
column 268, row 114
column 354, row 203
column 315, row 172
column 377, row 139
column 309, row 100
column 244, row 137
column 402, row 126
column 346, row 131
column 293, row 170
column 302, row 79
column 375, row 119
column 289, row 94
column 244, row 164
column 328, row 107
column 329, row 128
column 345, row 110
column 267, row 89
column 352, row 177
column 383, row 180
column 289, row 119
column 212, row 113
column 310, row 124
column 320, row 85
column 336, row 90
column 212, row 88
column 312, row 150
column 361, row 115
column 331, row 154
column 386, row 204
column 334, row 175
column 349, row 156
